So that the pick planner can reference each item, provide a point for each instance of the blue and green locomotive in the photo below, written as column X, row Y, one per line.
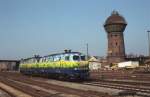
column 68, row 65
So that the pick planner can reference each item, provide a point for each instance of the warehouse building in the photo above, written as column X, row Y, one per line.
column 9, row 65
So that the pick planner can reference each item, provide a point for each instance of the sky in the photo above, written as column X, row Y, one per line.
column 29, row 27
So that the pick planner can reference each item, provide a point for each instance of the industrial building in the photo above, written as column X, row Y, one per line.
column 9, row 65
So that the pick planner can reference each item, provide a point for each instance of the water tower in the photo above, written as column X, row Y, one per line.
column 115, row 26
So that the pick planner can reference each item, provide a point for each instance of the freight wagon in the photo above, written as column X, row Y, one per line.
column 68, row 65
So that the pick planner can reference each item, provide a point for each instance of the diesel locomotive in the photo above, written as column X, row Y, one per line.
column 68, row 65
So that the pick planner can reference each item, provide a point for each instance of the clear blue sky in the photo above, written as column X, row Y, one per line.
column 29, row 27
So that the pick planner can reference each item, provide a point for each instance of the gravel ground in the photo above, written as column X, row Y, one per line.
column 4, row 94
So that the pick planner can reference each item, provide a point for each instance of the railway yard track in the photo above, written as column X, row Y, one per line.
column 130, row 89
column 43, row 87
column 125, row 75
column 138, row 83
column 39, row 88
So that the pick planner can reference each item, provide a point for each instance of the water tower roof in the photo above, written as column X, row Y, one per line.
column 115, row 18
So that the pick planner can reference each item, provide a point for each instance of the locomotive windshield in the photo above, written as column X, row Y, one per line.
column 76, row 58
column 83, row 58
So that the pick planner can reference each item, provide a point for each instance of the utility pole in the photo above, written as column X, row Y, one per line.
column 149, row 41
column 87, row 50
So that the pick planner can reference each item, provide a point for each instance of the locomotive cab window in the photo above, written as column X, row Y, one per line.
column 76, row 58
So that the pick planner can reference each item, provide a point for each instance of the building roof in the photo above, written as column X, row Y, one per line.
column 9, row 60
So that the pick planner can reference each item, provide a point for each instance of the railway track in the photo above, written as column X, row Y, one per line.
column 120, row 75
column 136, row 89
column 128, row 88
column 41, row 89
column 32, row 92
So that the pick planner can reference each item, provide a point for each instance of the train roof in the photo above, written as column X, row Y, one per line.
column 9, row 60
column 31, row 58
column 52, row 55
column 63, row 53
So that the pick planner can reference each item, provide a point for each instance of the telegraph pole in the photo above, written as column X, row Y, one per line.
column 87, row 50
column 149, row 41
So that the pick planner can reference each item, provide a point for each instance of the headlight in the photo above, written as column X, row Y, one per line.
column 76, row 68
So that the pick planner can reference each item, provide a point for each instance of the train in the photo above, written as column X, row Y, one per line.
column 66, row 65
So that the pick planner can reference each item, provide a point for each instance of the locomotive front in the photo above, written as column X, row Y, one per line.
column 80, row 65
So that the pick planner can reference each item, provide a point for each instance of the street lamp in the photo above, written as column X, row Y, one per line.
column 149, row 41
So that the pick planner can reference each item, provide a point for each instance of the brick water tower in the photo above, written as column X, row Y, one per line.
column 115, row 26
